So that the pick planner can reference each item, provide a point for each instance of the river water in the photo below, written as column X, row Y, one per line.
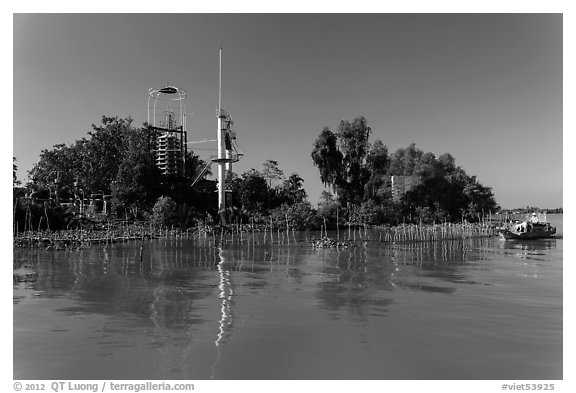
column 189, row 309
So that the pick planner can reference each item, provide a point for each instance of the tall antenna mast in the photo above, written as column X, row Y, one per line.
column 220, row 81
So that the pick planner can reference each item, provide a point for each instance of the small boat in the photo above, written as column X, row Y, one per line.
column 529, row 229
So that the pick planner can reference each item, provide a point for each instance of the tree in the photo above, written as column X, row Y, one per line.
column 58, row 169
column 404, row 160
column 449, row 196
column 328, row 158
column 434, row 199
column 412, row 156
column 299, row 216
column 359, row 174
column 272, row 172
column 15, row 181
column 89, row 165
column 480, row 199
column 164, row 211
column 137, row 183
column 341, row 158
column 292, row 189
column 446, row 164
column 377, row 164
column 426, row 167
column 328, row 204
column 353, row 143
column 329, row 210
column 104, row 152
column 254, row 192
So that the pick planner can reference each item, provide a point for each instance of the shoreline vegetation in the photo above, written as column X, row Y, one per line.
column 108, row 188
column 349, row 235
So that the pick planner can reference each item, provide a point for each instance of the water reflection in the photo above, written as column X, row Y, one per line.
column 537, row 249
column 172, row 276
column 535, row 244
column 226, row 293
column 192, row 303
column 226, row 316
column 357, row 280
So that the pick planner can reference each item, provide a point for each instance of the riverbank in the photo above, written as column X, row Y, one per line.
column 243, row 233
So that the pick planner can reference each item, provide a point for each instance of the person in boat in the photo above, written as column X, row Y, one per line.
column 534, row 219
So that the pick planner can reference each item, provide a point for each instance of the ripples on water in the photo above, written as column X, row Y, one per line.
column 460, row 309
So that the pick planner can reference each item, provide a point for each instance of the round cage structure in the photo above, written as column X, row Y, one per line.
column 167, row 127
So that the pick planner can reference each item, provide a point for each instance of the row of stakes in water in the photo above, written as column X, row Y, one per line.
column 353, row 235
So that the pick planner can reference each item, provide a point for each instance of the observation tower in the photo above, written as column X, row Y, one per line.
column 167, row 126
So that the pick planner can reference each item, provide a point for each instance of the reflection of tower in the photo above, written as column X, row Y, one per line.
column 167, row 125
column 228, row 151
column 226, row 293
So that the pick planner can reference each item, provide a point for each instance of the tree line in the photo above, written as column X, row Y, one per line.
column 116, row 163
column 361, row 175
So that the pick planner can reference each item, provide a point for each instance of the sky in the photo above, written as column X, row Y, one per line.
column 486, row 88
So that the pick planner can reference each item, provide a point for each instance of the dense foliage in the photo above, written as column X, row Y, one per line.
column 113, row 163
column 256, row 193
column 361, row 174
column 116, row 164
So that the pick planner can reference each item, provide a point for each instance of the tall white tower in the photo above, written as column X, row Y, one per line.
column 226, row 140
